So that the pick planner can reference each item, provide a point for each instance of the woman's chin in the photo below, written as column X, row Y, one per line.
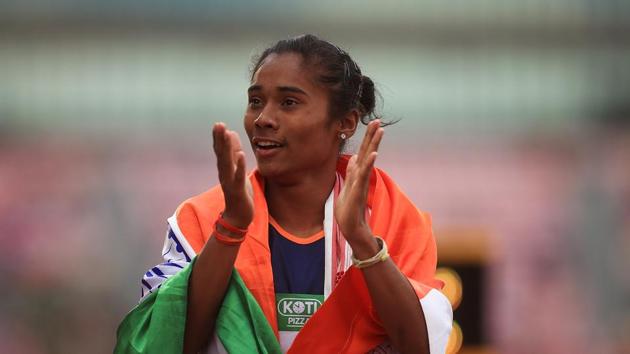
column 269, row 169
column 280, row 174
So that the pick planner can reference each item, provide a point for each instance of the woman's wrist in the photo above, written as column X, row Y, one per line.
column 363, row 244
column 232, row 220
column 227, row 233
column 381, row 256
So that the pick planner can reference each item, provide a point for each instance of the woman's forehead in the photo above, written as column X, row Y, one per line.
column 286, row 69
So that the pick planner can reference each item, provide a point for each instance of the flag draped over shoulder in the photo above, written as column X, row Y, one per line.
column 241, row 325
column 157, row 324
column 346, row 322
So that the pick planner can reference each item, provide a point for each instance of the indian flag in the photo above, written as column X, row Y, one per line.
column 157, row 324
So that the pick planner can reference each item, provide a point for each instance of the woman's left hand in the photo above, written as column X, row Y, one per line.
column 351, row 203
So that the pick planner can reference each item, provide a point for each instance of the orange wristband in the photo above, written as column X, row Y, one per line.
column 221, row 221
column 227, row 240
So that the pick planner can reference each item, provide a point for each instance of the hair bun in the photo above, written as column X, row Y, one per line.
column 367, row 98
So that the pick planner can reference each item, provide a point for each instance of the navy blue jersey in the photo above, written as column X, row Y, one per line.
column 297, row 263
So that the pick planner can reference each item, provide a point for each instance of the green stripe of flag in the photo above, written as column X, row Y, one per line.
column 157, row 324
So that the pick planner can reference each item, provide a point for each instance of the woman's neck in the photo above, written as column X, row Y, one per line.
column 299, row 207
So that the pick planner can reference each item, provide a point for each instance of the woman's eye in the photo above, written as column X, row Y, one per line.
column 289, row 102
column 254, row 101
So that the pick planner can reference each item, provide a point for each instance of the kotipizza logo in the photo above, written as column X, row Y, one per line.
column 297, row 310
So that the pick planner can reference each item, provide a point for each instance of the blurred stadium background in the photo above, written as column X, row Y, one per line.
column 515, row 135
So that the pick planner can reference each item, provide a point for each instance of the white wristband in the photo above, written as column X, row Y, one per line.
column 380, row 256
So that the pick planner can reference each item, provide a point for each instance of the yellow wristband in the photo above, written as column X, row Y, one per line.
column 380, row 256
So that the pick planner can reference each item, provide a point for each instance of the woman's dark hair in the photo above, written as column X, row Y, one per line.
column 348, row 88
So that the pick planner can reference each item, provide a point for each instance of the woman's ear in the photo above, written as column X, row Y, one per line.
column 348, row 125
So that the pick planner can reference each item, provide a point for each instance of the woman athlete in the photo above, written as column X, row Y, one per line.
column 314, row 251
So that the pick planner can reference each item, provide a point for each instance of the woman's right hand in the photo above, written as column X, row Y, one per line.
column 237, row 190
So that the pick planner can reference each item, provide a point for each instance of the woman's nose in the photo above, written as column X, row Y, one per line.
column 266, row 120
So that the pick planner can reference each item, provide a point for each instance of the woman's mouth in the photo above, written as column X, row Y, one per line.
column 266, row 147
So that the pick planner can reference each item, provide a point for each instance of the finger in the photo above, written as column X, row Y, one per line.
column 371, row 160
column 365, row 141
column 352, row 164
column 236, row 140
column 235, row 144
column 376, row 140
column 369, row 132
column 227, row 160
column 364, row 173
column 239, row 174
column 218, row 141
column 373, row 145
column 223, row 153
column 217, row 137
column 367, row 164
column 249, row 188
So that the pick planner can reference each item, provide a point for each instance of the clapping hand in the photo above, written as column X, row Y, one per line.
column 237, row 191
column 351, row 203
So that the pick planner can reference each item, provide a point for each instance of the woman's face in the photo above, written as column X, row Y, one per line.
column 287, row 120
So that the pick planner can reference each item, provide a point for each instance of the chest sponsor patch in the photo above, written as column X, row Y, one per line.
column 295, row 309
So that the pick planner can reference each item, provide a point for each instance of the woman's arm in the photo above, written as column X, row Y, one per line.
column 396, row 302
column 211, row 272
column 394, row 298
